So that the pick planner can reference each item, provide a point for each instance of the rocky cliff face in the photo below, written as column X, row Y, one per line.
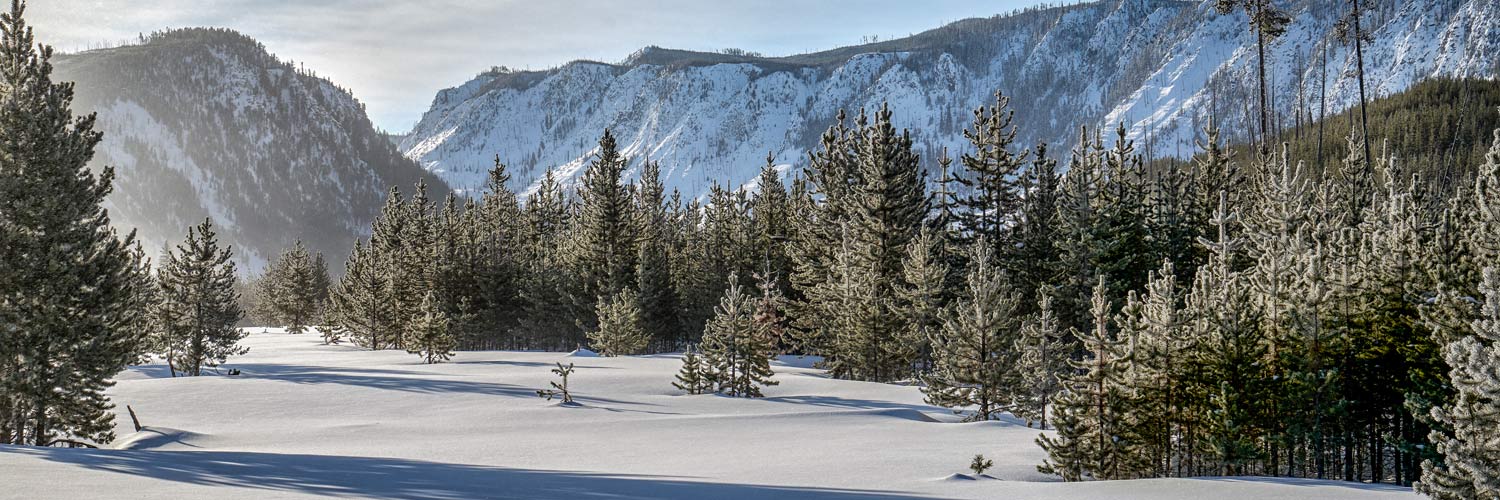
column 205, row 123
column 1161, row 67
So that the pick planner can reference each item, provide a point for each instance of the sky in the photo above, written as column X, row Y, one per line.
column 396, row 54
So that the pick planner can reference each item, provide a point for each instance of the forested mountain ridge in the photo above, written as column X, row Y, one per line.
column 206, row 123
column 1161, row 67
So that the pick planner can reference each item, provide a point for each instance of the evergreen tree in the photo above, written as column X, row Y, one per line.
column 925, row 294
column 658, row 300
column 695, row 377
column 738, row 352
column 1470, row 464
column 993, row 178
column 290, row 291
column 1093, row 439
column 1268, row 23
column 1044, row 352
column 770, row 219
column 197, row 282
column 1231, row 359
column 974, row 352
column 620, row 330
column 559, row 390
column 430, row 335
column 546, row 316
column 70, row 287
column 603, row 249
column 357, row 306
column 886, row 211
column 1038, row 263
column 1123, row 239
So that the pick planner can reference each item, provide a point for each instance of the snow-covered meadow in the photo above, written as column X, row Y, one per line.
column 307, row 420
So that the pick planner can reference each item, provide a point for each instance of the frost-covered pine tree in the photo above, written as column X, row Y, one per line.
column 1044, row 351
column 1157, row 372
column 925, row 294
column 888, row 207
column 197, row 283
column 695, row 377
column 993, row 177
column 1233, row 351
column 739, row 354
column 619, row 332
column 974, row 353
column 1093, row 438
column 1470, row 465
column 430, row 335
column 70, row 287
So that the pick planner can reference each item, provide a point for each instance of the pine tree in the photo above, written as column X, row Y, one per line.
column 736, row 348
column 356, row 305
column 1093, row 439
column 559, row 390
column 197, row 282
column 1082, row 229
column 887, row 210
column 620, row 332
column 290, row 289
column 1470, row 464
column 603, row 250
column 974, row 352
column 653, row 271
column 1158, row 369
column 1268, row 23
column 695, row 377
column 430, row 335
column 1233, row 351
column 70, row 287
column 1123, row 240
column 925, row 294
column 1044, row 352
column 1038, row 262
column 993, row 178
column 546, row 316
column 770, row 219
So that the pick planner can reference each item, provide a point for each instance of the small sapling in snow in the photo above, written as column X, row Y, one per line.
column 979, row 465
column 559, row 390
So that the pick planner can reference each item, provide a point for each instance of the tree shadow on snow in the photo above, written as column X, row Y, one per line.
column 397, row 380
column 853, row 404
column 400, row 479
column 1307, row 482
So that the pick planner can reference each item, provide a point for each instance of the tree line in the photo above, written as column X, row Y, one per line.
column 1221, row 316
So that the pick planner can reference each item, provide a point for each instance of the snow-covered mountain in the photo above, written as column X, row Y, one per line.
column 205, row 123
column 1162, row 67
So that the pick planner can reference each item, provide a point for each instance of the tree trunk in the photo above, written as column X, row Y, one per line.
column 1359, row 55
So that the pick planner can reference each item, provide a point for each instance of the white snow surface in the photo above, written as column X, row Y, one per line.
column 306, row 420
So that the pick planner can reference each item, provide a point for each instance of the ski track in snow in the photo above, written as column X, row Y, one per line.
column 305, row 420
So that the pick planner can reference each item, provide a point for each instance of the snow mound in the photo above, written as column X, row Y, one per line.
column 583, row 353
column 156, row 437
column 908, row 414
column 966, row 477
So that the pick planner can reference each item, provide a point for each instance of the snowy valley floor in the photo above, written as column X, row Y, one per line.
column 308, row 420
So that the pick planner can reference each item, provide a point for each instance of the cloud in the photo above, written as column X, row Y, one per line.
column 395, row 55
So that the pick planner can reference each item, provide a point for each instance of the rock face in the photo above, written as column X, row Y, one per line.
column 205, row 123
column 1160, row 67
